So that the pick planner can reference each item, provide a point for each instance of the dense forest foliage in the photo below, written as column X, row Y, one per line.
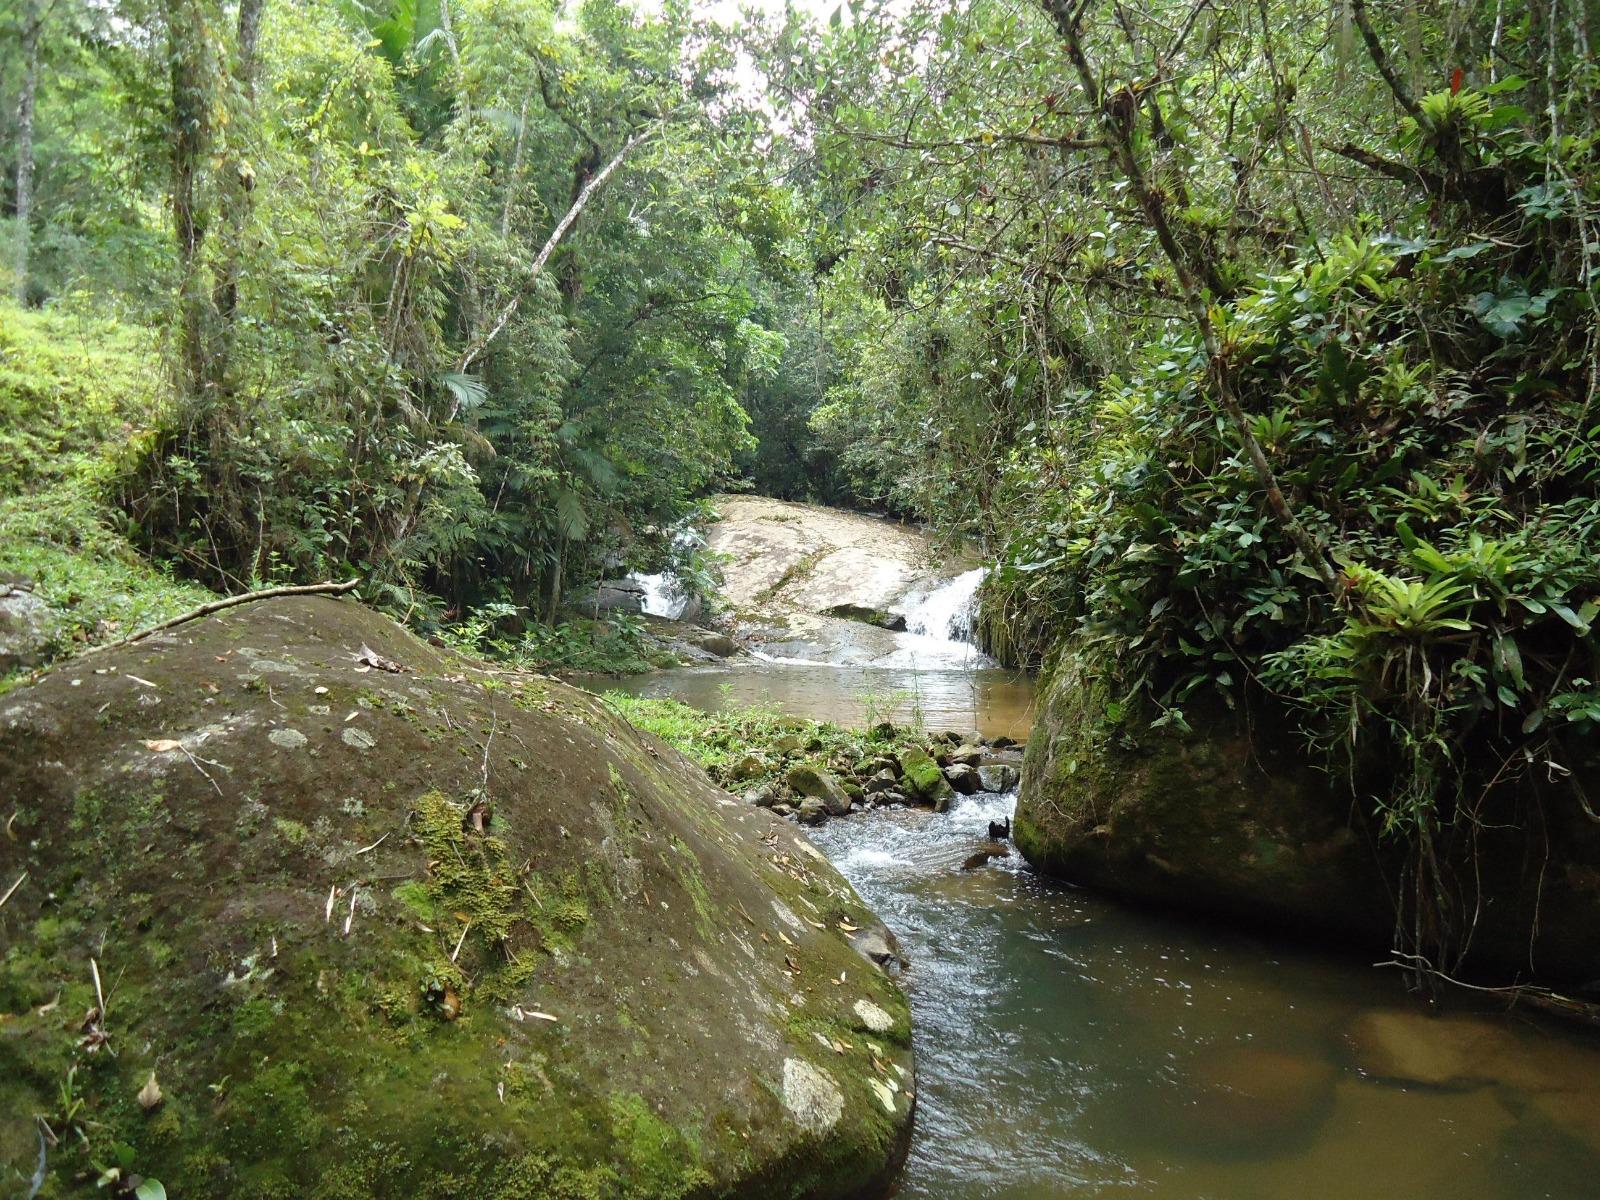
column 1255, row 342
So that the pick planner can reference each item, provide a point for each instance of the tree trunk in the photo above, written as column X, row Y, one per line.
column 1118, row 113
column 237, row 184
column 31, row 20
column 191, row 141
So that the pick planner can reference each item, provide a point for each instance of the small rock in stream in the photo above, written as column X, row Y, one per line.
column 984, row 853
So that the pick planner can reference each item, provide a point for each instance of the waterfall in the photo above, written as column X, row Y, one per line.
column 948, row 611
column 939, row 627
column 664, row 594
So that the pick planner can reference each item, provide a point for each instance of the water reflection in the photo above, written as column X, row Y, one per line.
column 1071, row 1047
column 992, row 701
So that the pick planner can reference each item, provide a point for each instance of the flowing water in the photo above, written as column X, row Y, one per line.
column 1069, row 1046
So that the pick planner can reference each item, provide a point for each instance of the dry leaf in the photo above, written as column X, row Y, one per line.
column 163, row 745
column 150, row 1094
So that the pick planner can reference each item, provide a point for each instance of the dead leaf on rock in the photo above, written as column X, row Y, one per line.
column 150, row 1096
column 163, row 745
column 368, row 657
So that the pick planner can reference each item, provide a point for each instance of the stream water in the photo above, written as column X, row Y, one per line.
column 1069, row 1046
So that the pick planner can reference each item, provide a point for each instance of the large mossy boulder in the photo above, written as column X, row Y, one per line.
column 382, row 922
column 1233, row 819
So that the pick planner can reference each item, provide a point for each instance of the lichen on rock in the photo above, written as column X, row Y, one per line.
column 489, row 947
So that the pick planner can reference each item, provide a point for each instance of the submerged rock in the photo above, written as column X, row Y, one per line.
column 984, row 853
column 1233, row 1099
column 506, row 946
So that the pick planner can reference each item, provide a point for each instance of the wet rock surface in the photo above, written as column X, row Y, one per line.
column 385, row 923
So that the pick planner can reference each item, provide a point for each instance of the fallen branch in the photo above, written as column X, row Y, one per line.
column 205, row 610
column 597, row 182
column 10, row 891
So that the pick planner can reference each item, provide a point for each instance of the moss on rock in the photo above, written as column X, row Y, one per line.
column 408, row 964
column 1232, row 818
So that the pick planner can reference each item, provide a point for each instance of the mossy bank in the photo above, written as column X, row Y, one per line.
column 381, row 922
column 1234, row 818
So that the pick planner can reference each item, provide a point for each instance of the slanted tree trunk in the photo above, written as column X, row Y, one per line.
column 31, row 21
column 1118, row 113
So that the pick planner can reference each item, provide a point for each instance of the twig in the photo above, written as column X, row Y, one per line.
column 20, row 879
column 461, row 941
column 205, row 610
column 94, row 970
column 374, row 845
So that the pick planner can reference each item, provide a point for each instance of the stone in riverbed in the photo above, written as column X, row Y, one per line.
column 812, row 811
column 922, row 779
column 963, row 777
column 883, row 781
column 763, row 796
column 1000, row 777
column 968, row 755
column 984, row 853
column 813, row 781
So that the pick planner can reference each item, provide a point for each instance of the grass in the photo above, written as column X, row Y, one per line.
column 721, row 741
column 78, row 397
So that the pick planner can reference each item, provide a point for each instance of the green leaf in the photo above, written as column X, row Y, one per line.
column 150, row 1189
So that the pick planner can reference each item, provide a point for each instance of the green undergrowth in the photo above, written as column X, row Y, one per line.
column 77, row 394
column 756, row 744
column 615, row 645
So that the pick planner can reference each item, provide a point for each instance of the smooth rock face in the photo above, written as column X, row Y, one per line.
column 501, row 946
column 1232, row 819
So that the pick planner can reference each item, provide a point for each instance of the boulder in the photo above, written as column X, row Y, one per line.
column 488, row 947
column 966, row 755
column 998, row 777
column 614, row 596
column 963, row 778
column 883, row 781
column 28, row 628
column 1234, row 818
column 762, row 796
column 881, row 617
column 711, row 641
column 749, row 766
column 811, row 811
column 921, row 778
column 814, row 782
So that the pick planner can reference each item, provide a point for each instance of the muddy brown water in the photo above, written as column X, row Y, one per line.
column 1069, row 1046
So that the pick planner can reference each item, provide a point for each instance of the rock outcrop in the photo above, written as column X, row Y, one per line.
column 1233, row 819
column 381, row 922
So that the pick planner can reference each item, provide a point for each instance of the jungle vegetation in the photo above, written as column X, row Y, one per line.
column 1254, row 341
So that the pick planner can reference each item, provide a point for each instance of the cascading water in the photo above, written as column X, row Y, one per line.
column 664, row 594
column 939, row 626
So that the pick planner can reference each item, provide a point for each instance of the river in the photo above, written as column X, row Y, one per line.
column 1070, row 1046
